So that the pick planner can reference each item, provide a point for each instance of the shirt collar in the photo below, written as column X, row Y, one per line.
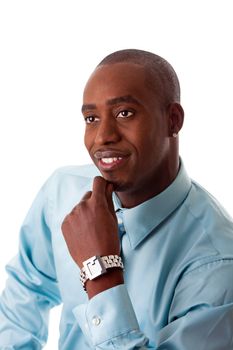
column 142, row 219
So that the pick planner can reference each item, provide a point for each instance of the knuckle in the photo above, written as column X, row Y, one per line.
column 99, row 180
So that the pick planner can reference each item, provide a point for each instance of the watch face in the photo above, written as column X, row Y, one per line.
column 94, row 267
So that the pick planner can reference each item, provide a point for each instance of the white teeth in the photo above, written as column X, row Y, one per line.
column 110, row 160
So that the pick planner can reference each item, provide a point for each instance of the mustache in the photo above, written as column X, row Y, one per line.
column 110, row 153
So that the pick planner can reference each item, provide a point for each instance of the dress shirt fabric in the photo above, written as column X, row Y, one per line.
column 178, row 255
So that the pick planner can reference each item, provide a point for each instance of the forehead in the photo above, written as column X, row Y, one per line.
column 119, row 79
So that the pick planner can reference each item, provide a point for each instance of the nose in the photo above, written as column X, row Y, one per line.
column 107, row 132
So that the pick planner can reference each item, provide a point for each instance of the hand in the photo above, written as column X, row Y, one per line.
column 91, row 227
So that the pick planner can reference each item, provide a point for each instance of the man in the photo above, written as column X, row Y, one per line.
column 174, row 240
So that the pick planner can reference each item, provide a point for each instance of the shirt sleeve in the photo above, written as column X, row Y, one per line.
column 108, row 321
column 201, row 315
column 31, row 289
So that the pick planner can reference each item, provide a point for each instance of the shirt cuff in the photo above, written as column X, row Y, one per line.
column 107, row 315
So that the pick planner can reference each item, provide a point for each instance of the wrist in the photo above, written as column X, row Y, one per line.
column 112, row 278
column 97, row 266
column 100, row 273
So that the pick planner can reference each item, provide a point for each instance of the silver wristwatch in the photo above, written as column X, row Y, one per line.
column 97, row 266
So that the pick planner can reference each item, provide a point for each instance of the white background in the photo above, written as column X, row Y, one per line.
column 47, row 51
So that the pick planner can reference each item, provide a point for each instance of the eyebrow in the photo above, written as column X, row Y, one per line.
column 127, row 98
column 88, row 107
column 113, row 101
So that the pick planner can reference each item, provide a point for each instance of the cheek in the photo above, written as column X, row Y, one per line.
column 87, row 140
column 146, row 140
column 151, row 148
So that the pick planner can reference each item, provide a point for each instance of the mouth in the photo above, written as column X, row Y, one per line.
column 110, row 160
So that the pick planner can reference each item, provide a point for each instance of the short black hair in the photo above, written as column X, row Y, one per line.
column 160, row 74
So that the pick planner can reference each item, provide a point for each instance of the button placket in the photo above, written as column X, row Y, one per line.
column 121, row 228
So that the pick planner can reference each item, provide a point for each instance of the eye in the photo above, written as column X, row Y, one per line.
column 90, row 119
column 124, row 114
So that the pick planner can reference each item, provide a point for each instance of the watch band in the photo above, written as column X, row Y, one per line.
column 97, row 266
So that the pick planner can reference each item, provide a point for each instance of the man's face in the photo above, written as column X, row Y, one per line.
column 126, row 128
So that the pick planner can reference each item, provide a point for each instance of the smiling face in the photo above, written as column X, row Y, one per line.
column 127, row 132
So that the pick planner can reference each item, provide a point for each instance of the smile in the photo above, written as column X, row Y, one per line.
column 111, row 163
column 110, row 160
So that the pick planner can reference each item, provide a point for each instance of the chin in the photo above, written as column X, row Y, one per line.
column 120, row 182
column 118, row 185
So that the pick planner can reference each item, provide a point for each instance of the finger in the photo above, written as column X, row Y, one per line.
column 99, row 188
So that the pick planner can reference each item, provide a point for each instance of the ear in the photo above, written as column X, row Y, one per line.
column 176, row 118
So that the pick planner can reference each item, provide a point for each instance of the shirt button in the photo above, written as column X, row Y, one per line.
column 96, row 321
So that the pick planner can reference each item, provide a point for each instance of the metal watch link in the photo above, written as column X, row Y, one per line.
column 97, row 266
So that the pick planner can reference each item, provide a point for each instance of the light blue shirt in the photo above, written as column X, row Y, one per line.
column 178, row 293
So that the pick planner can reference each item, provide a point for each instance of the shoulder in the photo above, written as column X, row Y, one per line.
column 206, row 208
column 71, row 179
column 87, row 171
column 211, row 220
column 77, row 172
column 65, row 188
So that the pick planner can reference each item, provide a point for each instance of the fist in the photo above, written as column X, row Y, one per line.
column 91, row 227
